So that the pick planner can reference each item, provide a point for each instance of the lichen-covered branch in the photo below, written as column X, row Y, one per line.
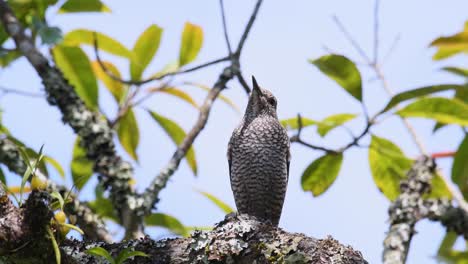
column 407, row 209
column 92, row 225
column 237, row 239
column 151, row 194
column 453, row 218
column 94, row 131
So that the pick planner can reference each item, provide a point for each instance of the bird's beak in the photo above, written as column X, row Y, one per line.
column 256, row 89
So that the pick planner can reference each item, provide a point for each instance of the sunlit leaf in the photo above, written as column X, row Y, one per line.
column 343, row 71
column 412, row 94
column 7, row 58
column 388, row 166
column 127, row 253
column 333, row 121
column 220, row 204
column 101, row 252
column 144, row 50
column 166, row 221
column 175, row 92
column 76, row 67
column 72, row 6
column 177, row 134
column 441, row 109
column 321, row 173
column 451, row 45
column 438, row 188
column 192, row 39
column 292, row 123
column 74, row 227
column 461, row 94
column 81, row 166
column 221, row 97
column 457, row 71
column 129, row 133
column 460, row 167
column 85, row 36
column 54, row 163
column 104, row 208
column 2, row 177
column 115, row 87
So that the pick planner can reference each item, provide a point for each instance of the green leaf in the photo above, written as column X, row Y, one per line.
column 447, row 243
column 461, row 94
column 103, row 206
column 50, row 35
column 221, row 205
column 101, row 252
column 177, row 134
column 460, row 167
column 292, row 123
column 439, row 189
column 128, row 133
column 175, row 92
column 76, row 68
column 221, row 97
column 81, row 166
column 7, row 58
column 451, row 45
column 343, row 71
column 444, row 110
column 332, row 122
column 31, row 168
column 144, row 50
column 84, row 36
column 55, row 245
column 2, row 177
column 128, row 253
column 59, row 198
column 388, row 166
column 457, row 71
column 73, row 6
column 321, row 173
column 116, row 88
column 54, row 163
column 192, row 39
column 411, row 94
column 166, row 221
column 74, row 227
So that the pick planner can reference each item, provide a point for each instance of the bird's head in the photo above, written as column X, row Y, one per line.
column 261, row 102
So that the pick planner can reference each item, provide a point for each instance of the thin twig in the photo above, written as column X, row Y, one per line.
column 351, row 39
column 248, row 27
column 392, row 48
column 155, row 78
column 5, row 91
column 376, row 32
column 243, row 83
column 297, row 138
column 223, row 17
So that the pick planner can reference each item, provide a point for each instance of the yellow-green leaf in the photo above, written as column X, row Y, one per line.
column 292, row 123
column 116, row 88
column 343, row 71
column 221, row 205
column 128, row 253
column 144, row 50
column 332, row 122
column 76, row 68
column 463, row 72
column 101, row 252
column 441, row 109
column 54, row 163
column 438, row 188
column 2, row 177
column 460, row 167
column 84, row 36
column 192, row 39
column 166, row 221
column 321, row 173
column 388, row 166
column 128, row 133
column 73, row 6
column 412, row 94
column 81, row 166
column 451, row 45
column 177, row 134
column 175, row 92
column 221, row 97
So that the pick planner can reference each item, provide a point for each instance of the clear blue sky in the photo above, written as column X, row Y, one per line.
column 285, row 35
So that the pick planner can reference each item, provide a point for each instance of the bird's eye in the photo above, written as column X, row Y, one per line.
column 272, row 101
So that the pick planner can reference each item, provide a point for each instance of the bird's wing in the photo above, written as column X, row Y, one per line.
column 229, row 155
column 288, row 161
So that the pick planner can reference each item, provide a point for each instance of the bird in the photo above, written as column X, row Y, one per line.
column 259, row 157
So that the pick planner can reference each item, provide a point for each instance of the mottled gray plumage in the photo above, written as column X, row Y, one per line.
column 258, row 155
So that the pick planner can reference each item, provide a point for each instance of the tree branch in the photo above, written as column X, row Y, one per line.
column 96, row 135
column 92, row 225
